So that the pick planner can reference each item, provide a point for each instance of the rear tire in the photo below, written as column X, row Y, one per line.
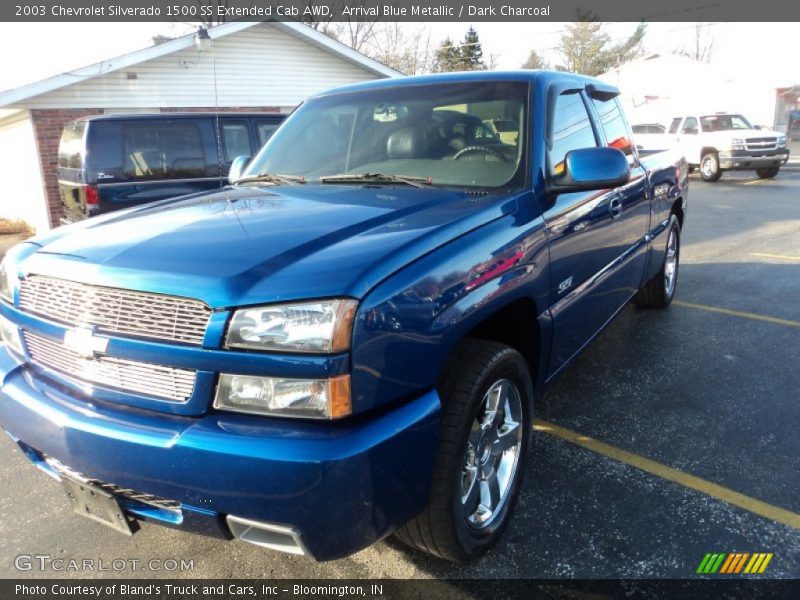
column 768, row 172
column 709, row 167
column 660, row 290
column 487, row 398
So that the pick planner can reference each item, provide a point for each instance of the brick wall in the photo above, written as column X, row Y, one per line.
column 48, row 124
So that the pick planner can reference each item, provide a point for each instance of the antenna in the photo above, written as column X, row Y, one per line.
column 203, row 42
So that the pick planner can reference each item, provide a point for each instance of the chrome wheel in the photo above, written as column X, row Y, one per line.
column 492, row 454
column 707, row 168
column 671, row 264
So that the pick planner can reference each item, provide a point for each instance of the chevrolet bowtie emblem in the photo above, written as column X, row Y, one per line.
column 83, row 342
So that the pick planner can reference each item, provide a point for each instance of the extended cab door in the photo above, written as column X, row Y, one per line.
column 633, row 196
column 585, row 235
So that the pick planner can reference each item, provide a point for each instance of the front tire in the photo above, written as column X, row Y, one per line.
column 660, row 290
column 487, row 398
column 768, row 172
column 709, row 167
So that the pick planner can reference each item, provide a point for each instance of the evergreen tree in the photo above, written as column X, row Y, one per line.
column 535, row 61
column 448, row 57
column 586, row 48
column 472, row 52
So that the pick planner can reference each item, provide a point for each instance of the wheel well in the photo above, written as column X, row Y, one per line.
column 515, row 324
column 706, row 150
column 677, row 210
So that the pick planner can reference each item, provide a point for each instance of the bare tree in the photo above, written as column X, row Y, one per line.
column 405, row 50
column 356, row 33
column 701, row 47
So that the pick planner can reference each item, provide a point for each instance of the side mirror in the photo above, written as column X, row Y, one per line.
column 237, row 168
column 592, row 169
column 690, row 131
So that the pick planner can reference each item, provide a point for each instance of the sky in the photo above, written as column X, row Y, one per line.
column 762, row 51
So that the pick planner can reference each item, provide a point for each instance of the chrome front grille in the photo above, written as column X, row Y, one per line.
column 116, row 311
column 168, row 383
column 761, row 143
column 143, row 497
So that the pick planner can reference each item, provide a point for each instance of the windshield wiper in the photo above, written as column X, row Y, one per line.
column 377, row 178
column 272, row 178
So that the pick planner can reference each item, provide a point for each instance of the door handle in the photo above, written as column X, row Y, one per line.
column 615, row 207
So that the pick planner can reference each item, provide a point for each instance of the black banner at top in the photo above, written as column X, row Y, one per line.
column 473, row 11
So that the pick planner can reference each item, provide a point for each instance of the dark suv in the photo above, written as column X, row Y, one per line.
column 110, row 162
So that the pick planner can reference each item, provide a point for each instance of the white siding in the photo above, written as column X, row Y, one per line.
column 260, row 66
column 23, row 194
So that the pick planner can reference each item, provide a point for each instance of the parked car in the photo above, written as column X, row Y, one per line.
column 505, row 129
column 348, row 340
column 110, row 162
column 650, row 137
column 722, row 142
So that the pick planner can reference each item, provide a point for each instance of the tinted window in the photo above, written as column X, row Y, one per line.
column 655, row 129
column 615, row 127
column 70, row 149
column 162, row 150
column 572, row 129
column 235, row 140
column 673, row 127
column 265, row 129
column 724, row 122
column 689, row 125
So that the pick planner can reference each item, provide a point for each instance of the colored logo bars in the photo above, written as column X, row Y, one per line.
column 734, row 562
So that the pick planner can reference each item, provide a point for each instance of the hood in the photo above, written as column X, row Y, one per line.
column 260, row 244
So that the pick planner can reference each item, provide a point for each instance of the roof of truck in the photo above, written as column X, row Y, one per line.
column 528, row 75
column 178, row 115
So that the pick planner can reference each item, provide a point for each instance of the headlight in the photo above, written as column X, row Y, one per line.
column 8, row 281
column 9, row 334
column 321, row 326
column 782, row 141
column 311, row 398
column 737, row 144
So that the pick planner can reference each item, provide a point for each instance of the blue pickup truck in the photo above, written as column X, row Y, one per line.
column 348, row 340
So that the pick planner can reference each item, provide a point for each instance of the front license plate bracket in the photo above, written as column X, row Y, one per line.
column 94, row 503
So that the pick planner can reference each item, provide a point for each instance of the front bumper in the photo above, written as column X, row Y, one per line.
column 338, row 487
column 749, row 159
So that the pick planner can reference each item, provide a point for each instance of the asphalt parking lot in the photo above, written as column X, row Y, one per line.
column 697, row 409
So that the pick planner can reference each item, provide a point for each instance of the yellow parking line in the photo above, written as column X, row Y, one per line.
column 757, row 181
column 762, row 509
column 778, row 256
column 738, row 313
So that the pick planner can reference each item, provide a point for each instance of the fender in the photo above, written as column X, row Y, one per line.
column 408, row 325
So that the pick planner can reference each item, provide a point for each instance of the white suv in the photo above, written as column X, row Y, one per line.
column 723, row 142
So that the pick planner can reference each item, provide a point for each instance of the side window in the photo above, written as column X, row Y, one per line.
column 673, row 127
column 615, row 127
column 70, row 148
column 162, row 150
column 265, row 129
column 572, row 129
column 689, row 126
column 235, row 140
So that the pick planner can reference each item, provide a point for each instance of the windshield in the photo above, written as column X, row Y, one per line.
column 433, row 133
column 724, row 122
